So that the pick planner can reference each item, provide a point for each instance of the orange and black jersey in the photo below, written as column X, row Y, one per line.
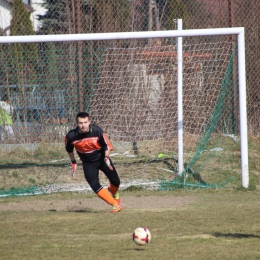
column 90, row 146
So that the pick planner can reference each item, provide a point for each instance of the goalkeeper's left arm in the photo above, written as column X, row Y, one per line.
column 107, row 146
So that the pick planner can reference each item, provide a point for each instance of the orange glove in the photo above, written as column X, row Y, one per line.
column 74, row 167
column 107, row 162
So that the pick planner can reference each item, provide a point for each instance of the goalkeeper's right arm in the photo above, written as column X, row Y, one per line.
column 73, row 163
column 69, row 148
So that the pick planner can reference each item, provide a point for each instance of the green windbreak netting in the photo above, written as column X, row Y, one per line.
column 213, row 163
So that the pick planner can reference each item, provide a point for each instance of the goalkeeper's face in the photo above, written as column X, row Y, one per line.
column 83, row 124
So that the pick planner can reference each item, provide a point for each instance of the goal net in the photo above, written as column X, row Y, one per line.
column 129, row 84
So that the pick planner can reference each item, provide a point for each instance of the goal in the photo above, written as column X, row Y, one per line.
column 174, row 110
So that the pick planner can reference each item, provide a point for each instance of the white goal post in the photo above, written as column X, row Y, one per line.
column 239, row 31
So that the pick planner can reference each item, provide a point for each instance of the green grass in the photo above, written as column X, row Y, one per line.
column 217, row 224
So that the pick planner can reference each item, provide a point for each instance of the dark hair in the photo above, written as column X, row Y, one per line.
column 82, row 115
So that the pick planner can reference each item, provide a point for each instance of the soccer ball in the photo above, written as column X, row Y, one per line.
column 142, row 236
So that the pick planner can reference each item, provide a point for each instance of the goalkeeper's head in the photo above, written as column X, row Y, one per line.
column 83, row 121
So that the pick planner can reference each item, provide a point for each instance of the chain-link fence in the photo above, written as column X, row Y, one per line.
column 95, row 16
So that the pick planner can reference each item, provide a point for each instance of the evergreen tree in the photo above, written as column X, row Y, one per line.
column 55, row 18
column 82, row 16
column 24, row 57
column 21, row 23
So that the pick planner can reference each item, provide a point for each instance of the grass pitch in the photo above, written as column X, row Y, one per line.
column 198, row 224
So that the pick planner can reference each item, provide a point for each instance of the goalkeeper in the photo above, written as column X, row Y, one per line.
column 92, row 147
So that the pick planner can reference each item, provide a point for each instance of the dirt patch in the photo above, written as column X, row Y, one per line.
column 89, row 204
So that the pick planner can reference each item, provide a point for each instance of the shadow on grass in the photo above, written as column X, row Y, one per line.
column 76, row 211
column 27, row 165
column 235, row 235
column 83, row 211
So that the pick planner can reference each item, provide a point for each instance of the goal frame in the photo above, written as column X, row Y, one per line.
column 239, row 31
